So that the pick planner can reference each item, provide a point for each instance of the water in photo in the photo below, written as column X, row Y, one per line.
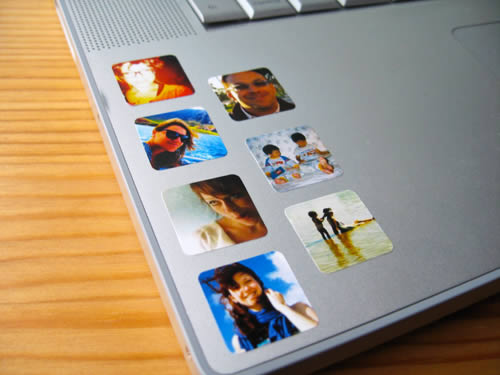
column 338, row 231
column 178, row 138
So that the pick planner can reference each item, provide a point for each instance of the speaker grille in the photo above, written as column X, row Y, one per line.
column 106, row 24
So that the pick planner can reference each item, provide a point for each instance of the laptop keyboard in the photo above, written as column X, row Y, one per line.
column 216, row 11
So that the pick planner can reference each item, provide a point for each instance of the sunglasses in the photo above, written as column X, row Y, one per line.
column 244, row 86
column 174, row 135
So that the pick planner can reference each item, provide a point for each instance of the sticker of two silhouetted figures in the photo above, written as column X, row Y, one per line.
column 348, row 232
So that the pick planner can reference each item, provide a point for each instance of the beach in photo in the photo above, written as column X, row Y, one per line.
column 338, row 231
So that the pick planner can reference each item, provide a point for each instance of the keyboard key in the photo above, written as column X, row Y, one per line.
column 354, row 3
column 302, row 6
column 266, row 8
column 211, row 11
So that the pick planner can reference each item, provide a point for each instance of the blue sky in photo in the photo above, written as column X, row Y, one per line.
column 207, row 146
column 274, row 271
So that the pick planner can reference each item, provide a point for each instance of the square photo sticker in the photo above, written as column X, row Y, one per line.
column 292, row 158
column 152, row 80
column 252, row 93
column 338, row 231
column 174, row 139
column 257, row 301
column 212, row 214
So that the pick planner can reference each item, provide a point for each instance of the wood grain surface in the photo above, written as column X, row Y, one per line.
column 76, row 294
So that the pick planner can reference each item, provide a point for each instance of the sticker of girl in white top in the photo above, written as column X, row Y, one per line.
column 257, row 301
column 213, row 214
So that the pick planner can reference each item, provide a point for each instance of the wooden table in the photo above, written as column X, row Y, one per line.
column 76, row 295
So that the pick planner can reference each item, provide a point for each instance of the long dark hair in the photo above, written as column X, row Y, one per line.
column 230, row 184
column 168, row 159
column 244, row 322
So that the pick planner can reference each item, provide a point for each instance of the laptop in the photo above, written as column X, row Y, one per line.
column 308, row 179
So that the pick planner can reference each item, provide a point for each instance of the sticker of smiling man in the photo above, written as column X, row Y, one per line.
column 252, row 93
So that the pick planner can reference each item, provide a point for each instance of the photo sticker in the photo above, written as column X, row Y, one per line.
column 338, row 231
column 292, row 158
column 213, row 214
column 152, row 80
column 249, row 94
column 257, row 301
column 179, row 138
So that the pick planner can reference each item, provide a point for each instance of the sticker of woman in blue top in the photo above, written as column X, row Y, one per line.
column 168, row 143
column 260, row 315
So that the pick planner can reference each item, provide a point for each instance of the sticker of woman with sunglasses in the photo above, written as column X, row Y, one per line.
column 179, row 138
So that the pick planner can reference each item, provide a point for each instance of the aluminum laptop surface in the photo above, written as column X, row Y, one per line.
column 410, row 112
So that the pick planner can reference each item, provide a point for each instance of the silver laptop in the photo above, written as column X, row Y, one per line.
column 308, row 178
